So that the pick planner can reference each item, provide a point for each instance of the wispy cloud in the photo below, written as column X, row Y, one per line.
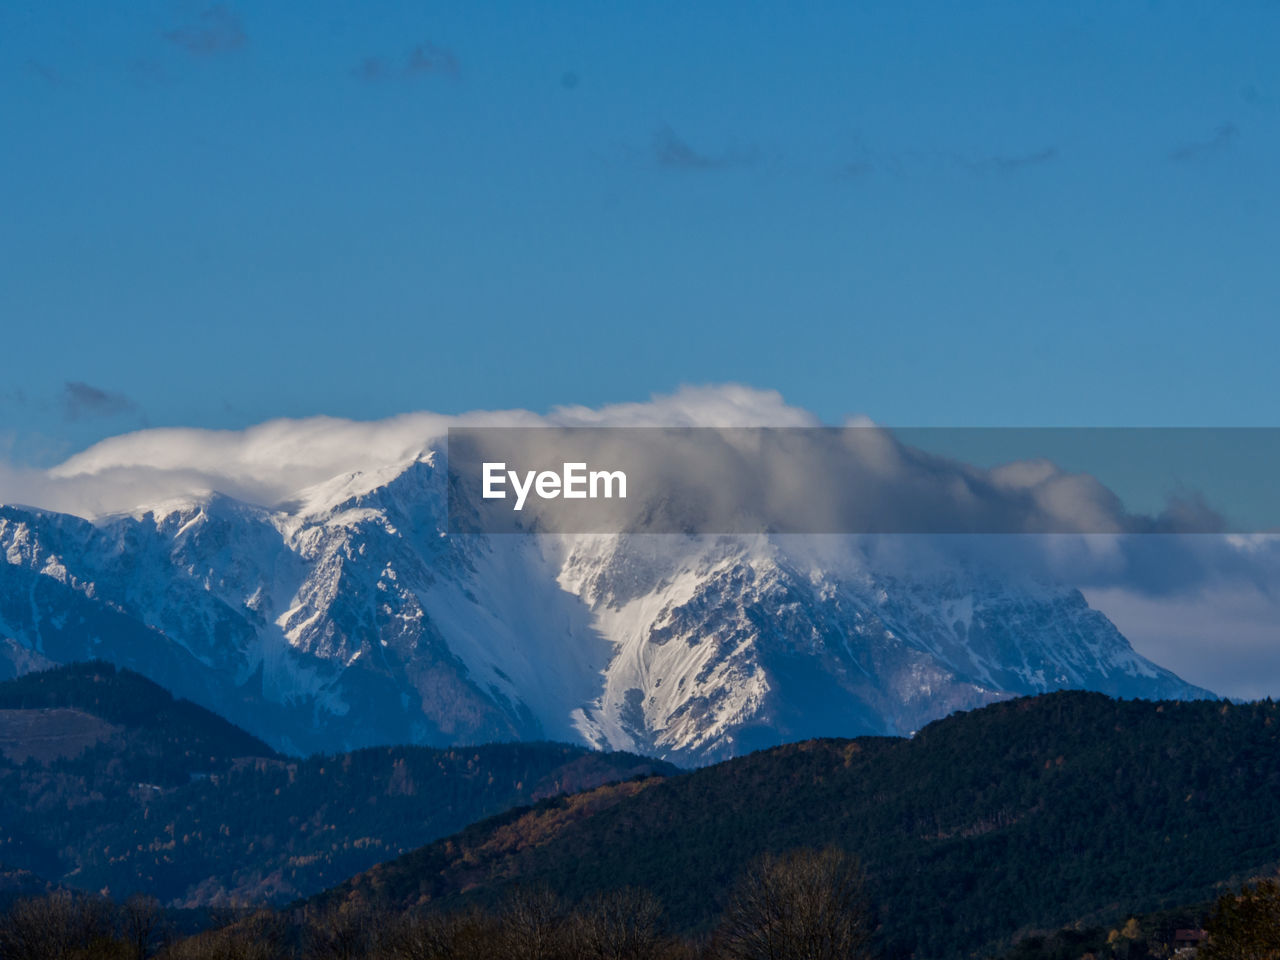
column 855, row 169
column 82, row 400
column 1002, row 163
column 371, row 69
column 672, row 151
column 146, row 72
column 44, row 72
column 1257, row 98
column 908, row 163
column 1221, row 140
column 424, row 59
column 13, row 398
column 217, row 30
column 429, row 58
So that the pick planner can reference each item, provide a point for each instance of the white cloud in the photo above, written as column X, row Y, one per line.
column 875, row 481
column 269, row 463
column 1204, row 604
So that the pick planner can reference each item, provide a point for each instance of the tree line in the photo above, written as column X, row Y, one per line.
column 802, row 905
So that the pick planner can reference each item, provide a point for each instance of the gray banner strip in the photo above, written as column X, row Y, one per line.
column 863, row 479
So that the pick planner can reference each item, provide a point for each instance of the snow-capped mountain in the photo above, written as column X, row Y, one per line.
column 347, row 615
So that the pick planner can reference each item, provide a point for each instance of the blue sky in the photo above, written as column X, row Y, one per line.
column 1012, row 213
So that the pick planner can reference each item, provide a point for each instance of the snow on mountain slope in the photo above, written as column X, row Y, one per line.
column 343, row 615
column 727, row 644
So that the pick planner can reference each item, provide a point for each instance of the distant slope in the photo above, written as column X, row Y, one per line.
column 187, row 737
column 108, row 782
column 1028, row 814
column 274, row 830
column 88, row 744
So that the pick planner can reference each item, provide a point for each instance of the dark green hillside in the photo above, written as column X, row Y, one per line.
column 109, row 783
column 1029, row 814
column 274, row 830
column 87, row 745
column 179, row 735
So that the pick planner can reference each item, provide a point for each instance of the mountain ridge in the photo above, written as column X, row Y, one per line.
column 350, row 616
column 172, row 801
column 1022, row 816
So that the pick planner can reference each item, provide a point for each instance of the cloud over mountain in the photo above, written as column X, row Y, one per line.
column 1088, row 529
column 333, row 519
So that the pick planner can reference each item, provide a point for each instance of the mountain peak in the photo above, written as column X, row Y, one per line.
column 348, row 616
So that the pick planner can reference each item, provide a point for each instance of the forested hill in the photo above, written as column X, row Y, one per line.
column 38, row 716
column 1028, row 814
column 109, row 783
